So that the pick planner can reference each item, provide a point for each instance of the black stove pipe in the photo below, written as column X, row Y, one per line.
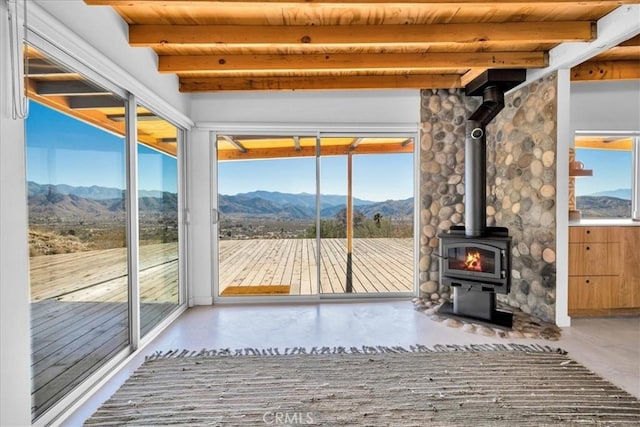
column 475, row 165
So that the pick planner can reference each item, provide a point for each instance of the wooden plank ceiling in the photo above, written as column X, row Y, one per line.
column 224, row 45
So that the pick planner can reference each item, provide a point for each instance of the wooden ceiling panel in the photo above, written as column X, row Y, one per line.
column 345, row 12
column 217, row 45
column 380, row 48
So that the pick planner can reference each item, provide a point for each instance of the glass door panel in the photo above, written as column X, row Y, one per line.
column 267, row 216
column 367, row 233
column 77, row 235
column 157, row 219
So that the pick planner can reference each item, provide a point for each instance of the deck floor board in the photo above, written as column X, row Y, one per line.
column 379, row 265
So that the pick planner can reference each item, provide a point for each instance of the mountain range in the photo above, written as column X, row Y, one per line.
column 94, row 192
column 66, row 201
column 303, row 205
column 620, row 193
column 95, row 201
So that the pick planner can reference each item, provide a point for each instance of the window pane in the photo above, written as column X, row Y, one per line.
column 158, row 218
column 78, row 254
column 267, row 219
column 606, row 194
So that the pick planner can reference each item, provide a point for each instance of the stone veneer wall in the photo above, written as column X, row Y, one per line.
column 521, row 154
column 442, row 116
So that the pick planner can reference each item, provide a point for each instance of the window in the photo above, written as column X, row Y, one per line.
column 610, row 191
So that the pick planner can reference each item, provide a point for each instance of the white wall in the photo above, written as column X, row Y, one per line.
column 15, row 352
column 613, row 105
column 390, row 106
column 199, row 196
column 565, row 140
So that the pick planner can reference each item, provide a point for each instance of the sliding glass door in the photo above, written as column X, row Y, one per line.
column 366, row 216
column 304, row 216
column 101, row 256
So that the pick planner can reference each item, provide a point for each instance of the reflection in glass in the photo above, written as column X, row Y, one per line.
column 78, row 254
column 157, row 219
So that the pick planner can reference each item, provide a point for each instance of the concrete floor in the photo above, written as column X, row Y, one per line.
column 608, row 346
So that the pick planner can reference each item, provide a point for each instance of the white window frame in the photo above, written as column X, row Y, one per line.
column 635, row 163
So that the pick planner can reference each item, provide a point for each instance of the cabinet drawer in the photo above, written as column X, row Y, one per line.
column 594, row 259
column 591, row 292
column 594, row 234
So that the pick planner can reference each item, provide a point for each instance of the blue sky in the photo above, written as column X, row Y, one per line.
column 611, row 170
column 64, row 150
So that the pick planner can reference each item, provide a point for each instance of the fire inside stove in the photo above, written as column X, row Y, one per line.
column 471, row 259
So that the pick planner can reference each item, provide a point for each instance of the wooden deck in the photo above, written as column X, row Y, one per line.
column 379, row 265
column 79, row 308
column 79, row 312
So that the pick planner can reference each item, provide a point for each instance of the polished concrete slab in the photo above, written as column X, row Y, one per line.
column 609, row 347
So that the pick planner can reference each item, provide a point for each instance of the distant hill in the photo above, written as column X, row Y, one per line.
column 620, row 193
column 94, row 192
column 603, row 207
column 267, row 204
column 247, row 206
column 65, row 202
column 388, row 208
column 302, row 199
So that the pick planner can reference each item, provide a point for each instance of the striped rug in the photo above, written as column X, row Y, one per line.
column 479, row 385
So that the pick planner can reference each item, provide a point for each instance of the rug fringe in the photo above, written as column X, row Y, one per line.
column 379, row 349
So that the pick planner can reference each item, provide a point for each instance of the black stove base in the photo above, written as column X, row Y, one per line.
column 498, row 318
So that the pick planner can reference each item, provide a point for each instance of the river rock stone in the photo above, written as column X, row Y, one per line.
column 521, row 175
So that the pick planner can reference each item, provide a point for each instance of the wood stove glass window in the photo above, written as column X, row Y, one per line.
column 471, row 259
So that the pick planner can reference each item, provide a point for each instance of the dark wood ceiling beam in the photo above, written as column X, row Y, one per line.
column 336, row 62
column 408, row 81
column 38, row 67
column 216, row 35
column 67, row 88
column 141, row 117
column 94, row 102
column 606, row 70
column 634, row 41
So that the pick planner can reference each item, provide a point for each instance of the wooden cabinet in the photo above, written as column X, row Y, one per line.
column 597, row 259
column 604, row 270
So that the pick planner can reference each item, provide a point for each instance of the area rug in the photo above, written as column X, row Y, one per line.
column 479, row 385
column 256, row 290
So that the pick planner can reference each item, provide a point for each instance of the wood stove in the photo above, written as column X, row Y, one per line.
column 476, row 268
column 475, row 260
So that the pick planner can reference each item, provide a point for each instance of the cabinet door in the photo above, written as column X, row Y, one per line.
column 626, row 294
column 594, row 234
column 587, row 259
column 591, row 292
column 629, row 294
